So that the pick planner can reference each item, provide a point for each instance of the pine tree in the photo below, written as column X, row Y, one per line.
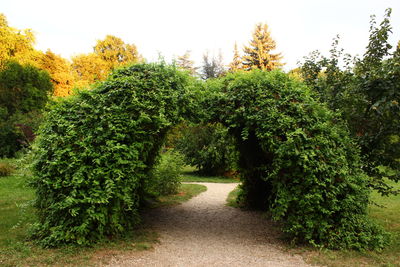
column 236, row 63
column 184, row 62
column 258, row 54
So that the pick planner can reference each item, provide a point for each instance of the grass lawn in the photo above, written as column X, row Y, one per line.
column 17, row 213
column 190, row 174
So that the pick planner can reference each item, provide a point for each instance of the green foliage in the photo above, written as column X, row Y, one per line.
column 296, row 159
column 24, row 91
column 6, row 169
column 165, row 178
column 209, row 147
column 95, row 150
column 366, row 92
column 23, row 88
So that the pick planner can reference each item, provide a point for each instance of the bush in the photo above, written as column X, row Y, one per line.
column 209, row 147
column 6, row 169
column 165, row 178
column 296, row 160
column 95, row 150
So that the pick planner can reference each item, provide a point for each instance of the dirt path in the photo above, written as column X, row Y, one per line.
column 206, row 232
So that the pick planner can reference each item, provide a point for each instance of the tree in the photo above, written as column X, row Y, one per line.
column 258, row 54
column 212, row 67
column 24, row 91
column 88, row 69
column 60, row 72
column 23, row 88
column 115, row 52
column 367, row 92
column 16, row 44
column 236, row 63
column 184, row 62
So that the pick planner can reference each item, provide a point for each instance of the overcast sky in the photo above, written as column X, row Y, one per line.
column 170, row 27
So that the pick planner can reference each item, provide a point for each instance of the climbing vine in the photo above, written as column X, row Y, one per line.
column 96, row 150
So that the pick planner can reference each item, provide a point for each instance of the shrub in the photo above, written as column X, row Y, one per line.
column 165, row 178
column 6, row 169
column 95, row 150
column 297, row 159
column 209, row 147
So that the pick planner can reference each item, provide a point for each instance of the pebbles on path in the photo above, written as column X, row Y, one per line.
column 206, row 232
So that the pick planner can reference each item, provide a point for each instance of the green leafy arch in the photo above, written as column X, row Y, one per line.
column 95, row 150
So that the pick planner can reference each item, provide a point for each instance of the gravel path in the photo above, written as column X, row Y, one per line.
column 206, row 232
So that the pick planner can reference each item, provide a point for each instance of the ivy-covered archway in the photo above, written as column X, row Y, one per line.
column 95, row 150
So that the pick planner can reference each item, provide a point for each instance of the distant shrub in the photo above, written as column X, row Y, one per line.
column 6, row 169
column 166, row 175
column 209, row 147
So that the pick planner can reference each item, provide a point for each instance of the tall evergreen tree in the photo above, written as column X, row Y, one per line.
column 184, row 62
column 258, row 54
column 236, row 63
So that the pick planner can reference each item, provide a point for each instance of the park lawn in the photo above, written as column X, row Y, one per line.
column 190, row 174
column 17, row 214
column 389, row 218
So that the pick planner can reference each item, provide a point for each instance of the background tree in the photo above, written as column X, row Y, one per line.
column 115, row 52
column 88, row 69
column 212, row 67
column 60, row 72
column 24, row 91
column 184, row 62
column 258, row 54
column 236, row 63
column 367, row 93
column 16, row 44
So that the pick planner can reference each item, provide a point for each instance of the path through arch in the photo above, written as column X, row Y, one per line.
column 206, row 232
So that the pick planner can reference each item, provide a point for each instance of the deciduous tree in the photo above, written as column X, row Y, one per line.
column 89, row 68
column 115, row 52
column 16, row 44
column 60, row 72
column 212, row 67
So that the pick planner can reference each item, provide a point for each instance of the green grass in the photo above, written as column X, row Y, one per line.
column 17, row 214
column 232, row 197
column 190, row 174
column 186, row 192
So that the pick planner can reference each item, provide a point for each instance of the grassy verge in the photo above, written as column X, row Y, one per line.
column 186, row 192
column 232, row 197
column 17, row 214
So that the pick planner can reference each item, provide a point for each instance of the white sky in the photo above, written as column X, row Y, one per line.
column 171, row 27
